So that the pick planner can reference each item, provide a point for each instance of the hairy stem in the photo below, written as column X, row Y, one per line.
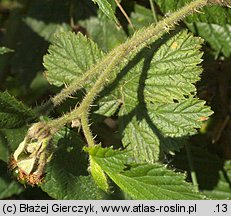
column 73, row 87
column 139, row 40
column 86, row 130
column 147, row 34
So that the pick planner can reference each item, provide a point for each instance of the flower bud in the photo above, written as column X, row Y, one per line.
column 29, row 159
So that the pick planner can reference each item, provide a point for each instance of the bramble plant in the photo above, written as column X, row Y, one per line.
column 143, row 88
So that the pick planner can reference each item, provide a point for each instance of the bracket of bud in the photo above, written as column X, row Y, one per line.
column 33, row 153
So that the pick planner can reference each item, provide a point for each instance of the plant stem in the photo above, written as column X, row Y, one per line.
column 114, row 58
column 84, row 106
column 86, row 130
column 139, row 40
column 164, row 26
column 125, row 14
column 191, row 166
column 72, row 88
column 153, row 11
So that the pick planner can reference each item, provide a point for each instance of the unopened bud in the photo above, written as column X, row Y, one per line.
column 31, row 156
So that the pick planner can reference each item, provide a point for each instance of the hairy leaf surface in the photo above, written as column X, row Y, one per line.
column 107, row 8
column 67, row 176
column 159, row 109
column 8, row 186
column 142, row 181
column 213, row 24
column 9, row 141
column 69, row 57
column 13, row 113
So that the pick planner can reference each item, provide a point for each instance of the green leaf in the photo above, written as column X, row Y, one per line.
column 212, row 172
column 4, row 151
column 179, row 119
column 159, row 110
column 45, row 30
column 67, row 176
column 9, row 141
column 106, row 8
column 98, row 175
column 144, row 138
column 173, row 69
column 213, row 24
column 110, row 160
column 163, row 126
column 29, row 46
column 154, row 182
column 108, row 104
column 142, row 181
column 104, row 32
column 13, row 113
column 222, row 190
column 8, row 187
column 4, row 50
column 69, row 57
column 218, row 36
column 141, row 16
